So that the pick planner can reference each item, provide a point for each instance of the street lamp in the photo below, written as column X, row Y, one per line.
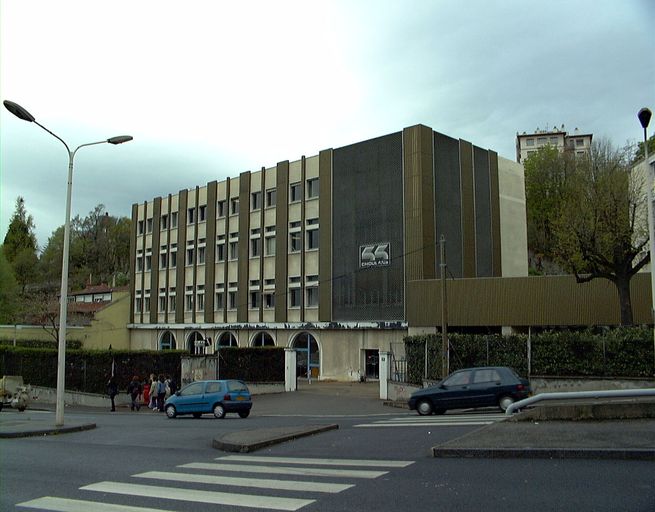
column 23, row 114
column 644, row 116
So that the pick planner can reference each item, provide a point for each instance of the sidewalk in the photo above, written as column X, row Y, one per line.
column 32, row 423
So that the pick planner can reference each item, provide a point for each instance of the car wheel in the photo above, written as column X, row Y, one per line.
column 197, row 415
column 219, row 411
column 244, row 414
column 505, row 402
column 424, row 408
column 170, row 411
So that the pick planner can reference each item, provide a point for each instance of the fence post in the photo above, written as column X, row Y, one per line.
column 529, row 351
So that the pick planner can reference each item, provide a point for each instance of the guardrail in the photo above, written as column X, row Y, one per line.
column 614, row 393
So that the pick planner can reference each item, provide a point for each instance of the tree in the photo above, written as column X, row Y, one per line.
column 8, row 291
column 600, row 230
column 639, row 153
column 20, row 246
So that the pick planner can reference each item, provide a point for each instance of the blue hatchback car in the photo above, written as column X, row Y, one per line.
column 210, row 396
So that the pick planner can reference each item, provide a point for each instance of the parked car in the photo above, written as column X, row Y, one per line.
column 472, row 387
column 210, row 396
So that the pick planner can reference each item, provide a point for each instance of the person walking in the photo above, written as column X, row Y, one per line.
column 134, row 389
column 153, row 392
column 112, row 391
column 161, row 393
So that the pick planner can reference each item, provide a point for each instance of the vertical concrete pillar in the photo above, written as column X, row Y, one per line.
column 290, row 383
column 385, row 373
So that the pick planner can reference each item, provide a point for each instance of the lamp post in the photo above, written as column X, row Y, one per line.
column 644, row 116
column 23, row 114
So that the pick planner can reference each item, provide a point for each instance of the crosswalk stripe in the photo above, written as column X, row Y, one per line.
column 286, row 470
column 68, row 505
column 484, row 417
column 320, row 462
column 260, row 483
column 198, row 496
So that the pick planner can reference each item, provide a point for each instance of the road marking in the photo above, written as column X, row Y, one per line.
column 321, row 462
column 67, row 505
column 286, row 470
column 439, row 421
column 260, row 483
column 197, row 496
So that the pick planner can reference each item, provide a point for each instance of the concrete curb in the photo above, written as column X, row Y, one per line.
column 246, row 441
column 544, row 453
column 47, row 431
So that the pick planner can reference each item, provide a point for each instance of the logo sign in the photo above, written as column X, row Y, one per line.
column 375, row 255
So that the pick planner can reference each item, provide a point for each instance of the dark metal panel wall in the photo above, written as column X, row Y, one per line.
column 448, row 200
column 368, row 210
column 483, row 247
column 325, row 235
column 468, row 209
column 525, row 301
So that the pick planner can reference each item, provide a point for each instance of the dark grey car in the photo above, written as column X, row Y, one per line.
column 472, row 387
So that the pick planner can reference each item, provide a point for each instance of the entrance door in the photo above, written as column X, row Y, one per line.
column 308, row 364
column 372, row 364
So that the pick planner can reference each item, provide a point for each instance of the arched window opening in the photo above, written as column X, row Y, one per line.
column 263, row 339
column 167, row 341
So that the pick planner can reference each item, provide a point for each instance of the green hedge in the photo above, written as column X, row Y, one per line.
column 622, row 352
column 70, row 344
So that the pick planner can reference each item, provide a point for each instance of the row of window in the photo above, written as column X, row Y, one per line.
column 256, row 299
column 230, row 248
column 542, row 141
column 200, row 213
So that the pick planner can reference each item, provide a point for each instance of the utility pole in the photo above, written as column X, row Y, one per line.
column 445, row 353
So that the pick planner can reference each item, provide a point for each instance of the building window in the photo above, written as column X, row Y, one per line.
column 191, row 215
column 140, row 227
column 202, row 213
column 232, row 300
column 312, row 188
column 269, row 300
column 162, row 304
column 149, row 225
column 164, row 222
column 171, row 300
column 256, row 201
column 529, row 142
column 295, row 192
column 553, row 140
column 312, row 297
column 295, row 241
column 173, row 257
column 270, row 197
column 254, row 300
column 190, row 256
column 541, row 141
column 579, row 142
column 200, row 299
column 269, row 246
column 188, row 299
column 146, row 304
column 201, row 255
column 139, row 263
column 173, row 220
column 148, row 262
column 218, row 303
column 312, row 239
column 138, row 304
column 234, row 206
column 294, row 297
column 234, row 250
column 220, row 209
column 220, row 251
column 255, row 247
column 163, row 260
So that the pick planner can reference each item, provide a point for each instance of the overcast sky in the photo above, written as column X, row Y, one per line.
column 210, row 89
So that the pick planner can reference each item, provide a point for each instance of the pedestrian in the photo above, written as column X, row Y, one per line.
column 112, row 391
column 172, row 385
column 146, row 392
column 153, row 392
column 134, row 389
column 161, row 393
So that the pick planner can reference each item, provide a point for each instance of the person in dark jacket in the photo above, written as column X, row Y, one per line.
column 134, row 389
column 112, row 391
column 161, row 393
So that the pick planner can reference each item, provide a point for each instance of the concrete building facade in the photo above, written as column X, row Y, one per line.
column 577, row 143
column 318, row 253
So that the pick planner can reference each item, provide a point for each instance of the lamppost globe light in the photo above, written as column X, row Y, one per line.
column 19, row 111
column 23, row 114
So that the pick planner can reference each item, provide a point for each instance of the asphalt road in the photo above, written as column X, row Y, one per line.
column 378, row 460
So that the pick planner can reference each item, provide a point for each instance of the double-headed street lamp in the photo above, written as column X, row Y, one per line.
column 23, row 114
